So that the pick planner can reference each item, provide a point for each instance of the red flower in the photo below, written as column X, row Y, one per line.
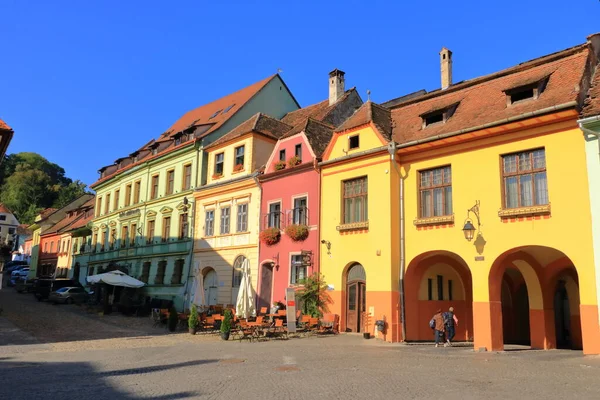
column 270, row 236
column 297, row 232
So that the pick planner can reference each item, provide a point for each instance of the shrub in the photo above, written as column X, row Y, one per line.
column 292, row 162
column 270, row 236
column 297, row 232
column 226, row 323
column 193, row 320
column 279, row 165
column 173, row 319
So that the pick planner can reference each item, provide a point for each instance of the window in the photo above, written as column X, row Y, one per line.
column 242, row 217
column 524, row 178
column 177, row 140
column 170, row 181
column 434, row 118
column 187, row 176
column 219, row 158
column 298, row 271
column 107, row 204
column 166, row 232
column 183, row 226
column 298, row 151
column 154, row 193
column 113, row 236
column 429, row 289
column 435, row 192
column 154, row 150
column 128, row 195
column 282, row 155
column 228, row 108
column 531, row 91
column 440, row 287
column 214, row 114
column 11, row 231
column 124, row 236
column 46, row 247
column 450, row 290
column 355, row 200
column 177, row 272
column 117, row 195
column 150, row 232
column 99, row 206
column 133, row 234
column 136, row 191
column 2, row 217
column 440, row 116
column 160, row 273
column 225, row 217
column 236, row 278
column 95, row 239
column 353, row 142
column 274, row 217
column 300, row 211
column 239, row 155
column 145, row 272
column 90, row 271
column 209, row 223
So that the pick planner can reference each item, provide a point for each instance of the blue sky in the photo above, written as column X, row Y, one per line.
column 83, row 83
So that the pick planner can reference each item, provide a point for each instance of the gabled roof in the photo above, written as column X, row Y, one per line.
column 4, row 209
column 483, row 100
column 47, row 212
column 318, row 135
column 592, row 102
column 367, row 113
column 258, row 123
column 320, row 111
column 4, row 125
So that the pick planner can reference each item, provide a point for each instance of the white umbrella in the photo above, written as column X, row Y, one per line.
column 244, row 306
column 199, row 299
column 116, row 278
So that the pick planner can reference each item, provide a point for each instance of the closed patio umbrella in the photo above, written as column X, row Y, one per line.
column 116, row 278
column 199, row 298
column 244, row 306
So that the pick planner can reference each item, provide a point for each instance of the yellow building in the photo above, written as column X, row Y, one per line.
column 228, row 209
column 481, row 210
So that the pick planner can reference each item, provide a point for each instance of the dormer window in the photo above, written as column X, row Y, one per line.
column 177, row 140
column 531, row 91
column 353, row 142
column 438, row 116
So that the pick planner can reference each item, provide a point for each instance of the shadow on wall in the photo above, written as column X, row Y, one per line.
column 35, row 379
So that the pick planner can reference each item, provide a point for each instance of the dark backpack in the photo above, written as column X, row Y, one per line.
column 432, row 323
column 448, row 318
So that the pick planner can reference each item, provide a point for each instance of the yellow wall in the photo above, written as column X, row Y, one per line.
column 64, row 258
column 476, row 175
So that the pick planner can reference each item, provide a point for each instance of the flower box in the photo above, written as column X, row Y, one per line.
column 238, row 168
column 270, row 236
column 292, row 162
column 297, row 232
column 217, row 176
column 279, row 165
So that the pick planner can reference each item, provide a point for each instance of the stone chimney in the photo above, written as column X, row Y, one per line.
column 594, row 42
column 446, row 67
column 336, row 85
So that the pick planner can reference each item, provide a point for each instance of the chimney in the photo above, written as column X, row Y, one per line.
column 336, row 85
column 446, row 67
column 594, row 42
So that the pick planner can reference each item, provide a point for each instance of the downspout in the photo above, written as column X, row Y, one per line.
column 260, row 190
column 392, row 151
column 589, row 131
column 189, row 274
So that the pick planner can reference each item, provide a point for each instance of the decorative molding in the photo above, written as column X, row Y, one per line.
column 353, row 226
column 151, row 214
column 442, row 220
column 166, row 210
column 112, row 223
column 524, row 211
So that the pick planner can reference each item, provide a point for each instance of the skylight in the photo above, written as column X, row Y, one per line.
column 215, row 114
column 228, row 108
column 530, row 91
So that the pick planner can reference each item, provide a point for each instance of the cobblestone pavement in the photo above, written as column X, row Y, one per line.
column 147, row 363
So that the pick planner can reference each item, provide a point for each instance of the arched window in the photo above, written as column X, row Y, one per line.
column 237, row 271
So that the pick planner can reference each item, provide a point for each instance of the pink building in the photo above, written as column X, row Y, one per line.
column 291, row 193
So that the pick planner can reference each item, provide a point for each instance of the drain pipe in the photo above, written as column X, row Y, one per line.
column 392, row 151
column 260, row 191
column 589, row 131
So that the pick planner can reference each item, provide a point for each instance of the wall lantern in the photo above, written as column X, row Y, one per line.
column 469, row 229
column 327, row 244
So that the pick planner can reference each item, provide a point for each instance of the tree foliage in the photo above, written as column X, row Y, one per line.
column 313, row 298
column 29, row 183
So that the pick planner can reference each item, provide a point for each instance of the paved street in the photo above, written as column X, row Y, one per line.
column 99, row 359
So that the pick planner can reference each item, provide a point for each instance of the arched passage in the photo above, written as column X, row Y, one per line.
column 438, row 280
column 209, row 286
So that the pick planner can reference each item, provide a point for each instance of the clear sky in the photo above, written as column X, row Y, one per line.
column 85, row 82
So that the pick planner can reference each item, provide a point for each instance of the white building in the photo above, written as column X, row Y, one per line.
column 8, row 226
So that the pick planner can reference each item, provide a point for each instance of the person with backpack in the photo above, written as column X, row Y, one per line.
column 437, row 324
column 450, row 321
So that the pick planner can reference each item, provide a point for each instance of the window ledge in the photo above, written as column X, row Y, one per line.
column 441, row 220
column 239, row 171
column 353, row 226
column 524, row 211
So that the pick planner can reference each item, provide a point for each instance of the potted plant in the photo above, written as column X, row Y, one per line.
column 297, row 232
column 216, row 176
column 292, row 162
column 193, row 320
column 279, row 165
column 173, row 319
column 238, row 167
column 226, row 324
column 270, row 236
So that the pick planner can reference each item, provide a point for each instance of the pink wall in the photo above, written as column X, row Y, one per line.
column 284, row 186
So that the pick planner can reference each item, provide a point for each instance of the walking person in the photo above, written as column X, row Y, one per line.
column 450, row 324
column 437, row 324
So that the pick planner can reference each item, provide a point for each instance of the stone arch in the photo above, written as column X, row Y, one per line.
column 432, row 275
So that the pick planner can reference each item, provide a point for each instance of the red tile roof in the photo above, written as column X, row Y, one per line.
column 4, row 125
column 483, row 100
column 47, row 212
column 4, row 209
column 200, row 119
column 258, row 123
column 370, row 112
column 592, row 102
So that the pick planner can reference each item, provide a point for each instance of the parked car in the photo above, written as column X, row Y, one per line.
column 68, row 295
column 10, row 266
column 25, row 285
column 18, row 275
column 44, row 286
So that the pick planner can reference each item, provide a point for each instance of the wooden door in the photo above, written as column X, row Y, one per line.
column 355, row 306
column 266, row 287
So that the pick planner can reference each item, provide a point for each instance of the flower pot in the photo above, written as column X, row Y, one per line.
column 367, row 335
column 192, row 331
column 225, row 335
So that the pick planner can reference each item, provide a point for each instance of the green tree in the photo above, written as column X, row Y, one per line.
column 69, row 193
column 313, row 298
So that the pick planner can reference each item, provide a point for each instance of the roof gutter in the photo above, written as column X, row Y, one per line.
column 355, row 155
column 588, row 131
column 530, row 114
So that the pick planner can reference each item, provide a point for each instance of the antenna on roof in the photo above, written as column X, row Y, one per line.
column 368, row 95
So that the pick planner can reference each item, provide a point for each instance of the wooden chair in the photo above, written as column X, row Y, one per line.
column 279, row 329
column 329, row 323
column 281, row 313
column 313, row 325
column 156, row 317
column 263, row 310
column 245, row 331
